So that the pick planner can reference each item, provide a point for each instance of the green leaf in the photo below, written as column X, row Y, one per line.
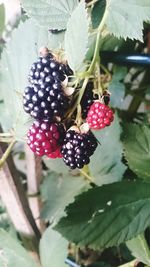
column 116, row 86
column 106, row 163
column 139, row 249
column 108, row 215
column 125, row 18
column 56, row 165
column 12, row 253
column 2, row 18
column 57, row 192
column 98, row 12
column 52, row 14
column 20, row 52
column 76, row 37
column 110, row 42
column 53, row 249
column 136, row 140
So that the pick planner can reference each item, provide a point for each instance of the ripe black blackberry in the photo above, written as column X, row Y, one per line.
column 106, row 97
column 45, row 101
column 77, row 148
column 47, row 70
column 87, row 99
column 44, row 98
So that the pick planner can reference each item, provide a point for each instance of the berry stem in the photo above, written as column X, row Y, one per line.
column 7, row 152
column 96, row 57
column 89, row 72
column 95, row 63
column 86, row 175
column 92, row 3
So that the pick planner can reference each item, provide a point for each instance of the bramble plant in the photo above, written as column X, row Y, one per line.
column 75, row 100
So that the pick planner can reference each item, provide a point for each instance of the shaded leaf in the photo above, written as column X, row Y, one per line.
column 12, row 253
column 136, row 140
column 108, row 215
column 53, row 249
column 98, row 12
column 116, row 86
column 106, row 163
column 76, row 37
column 57, row 192
column 56, row 165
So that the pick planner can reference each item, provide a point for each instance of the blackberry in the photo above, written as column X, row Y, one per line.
column 45, row 138
column 99, row 116
column 106, row 97
column 55, row 154
column 87, row 99
column 48, row 70
column 44, row 98
column 66, row 69
column 45, row 101
column 77, row 148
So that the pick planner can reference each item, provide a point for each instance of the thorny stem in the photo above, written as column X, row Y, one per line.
column 95, row 60
column 96, row 51
column 7, row 152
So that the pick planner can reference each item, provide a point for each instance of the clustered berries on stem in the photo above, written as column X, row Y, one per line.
column 63, row 120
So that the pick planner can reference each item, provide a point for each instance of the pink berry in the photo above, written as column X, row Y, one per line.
column 55, row 154
column 45, row 138
column 99, row 116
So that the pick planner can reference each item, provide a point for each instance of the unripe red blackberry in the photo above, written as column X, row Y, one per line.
column 55, row 154
column 44, row 138
column 77, row 148
column 87, row 99
column 99, row 116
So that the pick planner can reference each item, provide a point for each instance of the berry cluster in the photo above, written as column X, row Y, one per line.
column 47, row 101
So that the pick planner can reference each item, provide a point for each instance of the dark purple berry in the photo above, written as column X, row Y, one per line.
column 87, row 99
column 77, row 148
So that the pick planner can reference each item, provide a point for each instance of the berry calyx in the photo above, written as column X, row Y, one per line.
column 44, row 138
column 77, row 148
column 99, row 116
